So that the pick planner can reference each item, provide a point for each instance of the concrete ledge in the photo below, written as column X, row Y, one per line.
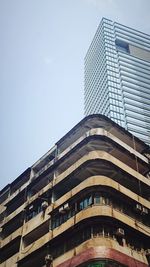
column 88, row 251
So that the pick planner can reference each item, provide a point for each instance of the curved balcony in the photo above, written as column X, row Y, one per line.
column 101, row 248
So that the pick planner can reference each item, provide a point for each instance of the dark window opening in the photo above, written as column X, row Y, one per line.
column 16, row 202
column 36, row 234
column 37, row 206
column 12, row 225
column 122, row 46
column 10, row 249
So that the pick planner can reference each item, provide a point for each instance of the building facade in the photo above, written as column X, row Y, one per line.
column 84, row 203
column 117, row 77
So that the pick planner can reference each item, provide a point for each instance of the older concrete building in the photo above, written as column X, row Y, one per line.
column 84, row 203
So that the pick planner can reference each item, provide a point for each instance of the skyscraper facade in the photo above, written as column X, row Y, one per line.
column 117, row 77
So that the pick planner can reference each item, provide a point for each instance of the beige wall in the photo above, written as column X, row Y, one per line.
column 140, row 53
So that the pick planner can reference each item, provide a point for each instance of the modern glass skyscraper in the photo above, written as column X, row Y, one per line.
column 117, row 77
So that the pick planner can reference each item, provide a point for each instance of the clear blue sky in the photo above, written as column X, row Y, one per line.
column 42, row 49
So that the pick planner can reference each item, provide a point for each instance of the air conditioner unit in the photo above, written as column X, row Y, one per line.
column 138, row 207
column 48, row 258
column 120, row 232
column 61, row 210
column 144, row 211
column 148, row 252
column 44, row 205
column 66, row 206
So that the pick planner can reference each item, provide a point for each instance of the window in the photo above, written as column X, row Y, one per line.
column 97, row 199
column 85, row 203
column 122, row 46
column 33, row 210
column 98, row 231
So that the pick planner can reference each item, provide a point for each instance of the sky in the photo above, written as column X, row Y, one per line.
column 42, row 48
